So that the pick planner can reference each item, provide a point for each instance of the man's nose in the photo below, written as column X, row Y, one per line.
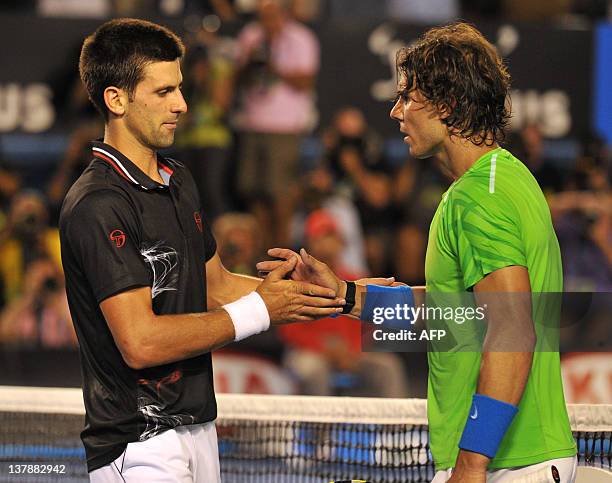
column 396, row 111
column 181, row 105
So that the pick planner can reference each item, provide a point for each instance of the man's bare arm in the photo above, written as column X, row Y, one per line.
column 223, row 286
column 508, row 347
column 511, row 338
column 146, row 339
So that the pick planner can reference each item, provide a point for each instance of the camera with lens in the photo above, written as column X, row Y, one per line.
column 257, row 71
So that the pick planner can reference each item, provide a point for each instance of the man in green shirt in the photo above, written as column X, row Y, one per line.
column 500, row 414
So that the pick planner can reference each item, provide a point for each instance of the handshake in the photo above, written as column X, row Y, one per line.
column 300, row 288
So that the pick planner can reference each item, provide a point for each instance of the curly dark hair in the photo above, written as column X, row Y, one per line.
column 117, row 53
column 459, row 72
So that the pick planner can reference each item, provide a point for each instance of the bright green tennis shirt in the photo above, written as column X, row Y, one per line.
column 492, row 217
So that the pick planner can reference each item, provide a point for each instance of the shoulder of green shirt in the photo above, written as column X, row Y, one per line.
column 485, row 175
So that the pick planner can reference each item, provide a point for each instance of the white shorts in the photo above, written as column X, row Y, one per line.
column 565, row 466
column 186, row 454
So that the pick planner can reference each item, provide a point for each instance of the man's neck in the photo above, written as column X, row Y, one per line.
column 143, row 157
column 458, row 155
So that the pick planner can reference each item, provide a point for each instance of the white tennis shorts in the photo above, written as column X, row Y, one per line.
column 186, row 454
column 538, row 473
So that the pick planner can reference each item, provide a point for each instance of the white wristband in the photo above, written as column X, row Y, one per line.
column 249, row 315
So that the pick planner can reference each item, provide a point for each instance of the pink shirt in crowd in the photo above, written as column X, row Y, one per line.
column 279, row 108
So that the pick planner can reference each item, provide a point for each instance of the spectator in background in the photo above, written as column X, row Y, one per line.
column 529, row 146
column 354, row 158
column 418, row 188
column 204, row 138
column 26, row 238
column 318, row 192
column 325, row 356
column 307, row 10
column 75, row 160
column 239, row 242
column 39, row 316
column 583, row 221
column 9, row 186
column 278, row 61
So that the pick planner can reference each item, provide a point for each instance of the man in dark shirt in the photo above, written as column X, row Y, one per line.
column 148, row 294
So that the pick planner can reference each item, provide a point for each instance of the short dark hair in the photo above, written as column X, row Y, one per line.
column 117, row 53
column 458, row 71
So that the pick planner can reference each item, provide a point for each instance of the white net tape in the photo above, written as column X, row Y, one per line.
column 583, row 417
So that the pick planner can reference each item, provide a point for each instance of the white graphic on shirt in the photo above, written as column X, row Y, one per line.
column 155, row 419
column 163, row 260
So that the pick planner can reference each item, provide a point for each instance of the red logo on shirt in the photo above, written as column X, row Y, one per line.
column 118, row 237
column 198, row 220
column 171, row 378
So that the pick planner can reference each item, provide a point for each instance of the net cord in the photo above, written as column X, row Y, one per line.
column 583, row 417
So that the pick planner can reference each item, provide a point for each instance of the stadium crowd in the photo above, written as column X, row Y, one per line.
column 249, row 138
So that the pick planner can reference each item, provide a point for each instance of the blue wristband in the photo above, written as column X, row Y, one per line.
column 486, row 425
column 379, row 298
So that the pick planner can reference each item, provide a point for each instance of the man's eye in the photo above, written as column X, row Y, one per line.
column 400, row 95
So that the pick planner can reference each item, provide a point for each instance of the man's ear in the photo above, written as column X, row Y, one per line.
column 445, row 111
column 116, row 100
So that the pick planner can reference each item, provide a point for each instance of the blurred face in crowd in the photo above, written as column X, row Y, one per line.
column 28, row 215
column 271, row 16
column 151, row 115
column 424, row 130
column 238, row 240
column 326, row 247
column 350, row 122
column 199, row 72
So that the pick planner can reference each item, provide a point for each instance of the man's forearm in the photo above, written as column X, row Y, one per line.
column 300, row 82
column 233, row 287
column 508, row 347
column 504, row 375
column 161, row 342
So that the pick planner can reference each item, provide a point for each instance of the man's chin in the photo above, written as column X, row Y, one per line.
column 419, row 154
column 164, row 143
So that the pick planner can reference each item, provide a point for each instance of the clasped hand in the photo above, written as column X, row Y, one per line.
column 296, row 300
column 304, row 268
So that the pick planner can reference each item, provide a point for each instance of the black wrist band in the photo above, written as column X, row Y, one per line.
column 349, row 297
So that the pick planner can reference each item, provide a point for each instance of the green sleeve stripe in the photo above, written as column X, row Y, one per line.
column 489, row 257
column 490, row 237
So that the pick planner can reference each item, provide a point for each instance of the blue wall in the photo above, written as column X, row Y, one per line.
column 602, row 109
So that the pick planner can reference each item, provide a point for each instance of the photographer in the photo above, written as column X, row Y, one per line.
column 354, row 157
column 583, row 220
column 25, row 238
column 278, row 59
column 39, row 317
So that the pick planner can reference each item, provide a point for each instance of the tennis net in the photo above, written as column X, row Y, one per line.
column 267, row 438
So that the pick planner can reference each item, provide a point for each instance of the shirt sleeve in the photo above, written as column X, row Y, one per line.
column 210, row 244
column 488, row 235
column 306, row 57
column 103, row 233
column 249, row 37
